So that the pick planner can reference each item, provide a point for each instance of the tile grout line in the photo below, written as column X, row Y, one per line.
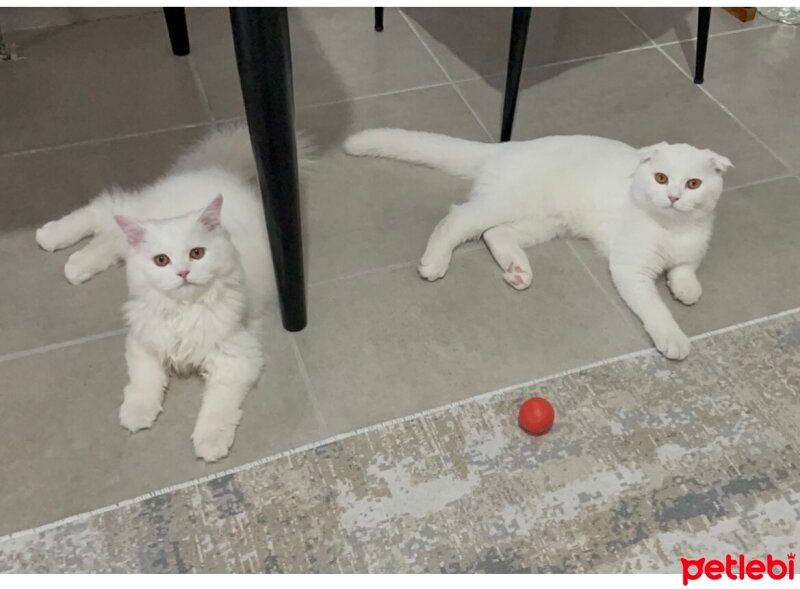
column 770, row 25
column 465, row 249
column 462, row 249
column 559, row 63
column 375, row 95
column 614, row 300
column 648, row 45
column 702, row 88
column 482, row 398
column 201, row 90
column 447, row 75
column 101, row 140
column 451, row 81
column 761, row 181
column 60, row 345
column 301, row 365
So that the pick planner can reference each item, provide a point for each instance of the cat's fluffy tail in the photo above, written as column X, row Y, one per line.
column 229, row 148
column 456, row 156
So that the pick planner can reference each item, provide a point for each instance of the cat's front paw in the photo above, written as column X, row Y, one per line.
column 136, row 414
column 213, row 441
column 432, row 271
column 685, row 288
column 433, row 267
column 671, row 342
column 77, row 269
column 47, row 237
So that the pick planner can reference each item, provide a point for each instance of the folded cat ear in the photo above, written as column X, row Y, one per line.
column 133, row 230
column 648, row 152
column 210, row 217
column 720, row 162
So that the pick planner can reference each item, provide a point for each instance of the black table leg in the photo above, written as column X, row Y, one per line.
column 176, row 27
column 516, row 53
column 263, row 55
column 703, row 24
column 379, row 19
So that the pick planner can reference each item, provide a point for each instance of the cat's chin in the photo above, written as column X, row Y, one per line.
column 187, row 291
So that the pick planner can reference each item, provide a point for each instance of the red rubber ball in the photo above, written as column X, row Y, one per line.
column 536, row 416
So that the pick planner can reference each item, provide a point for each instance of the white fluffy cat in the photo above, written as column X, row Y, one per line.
column 647, row 210
column 199, row 278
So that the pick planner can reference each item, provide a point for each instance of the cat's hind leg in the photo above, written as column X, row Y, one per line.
column 67, row 230
column 463, row 222
column 101, row 253
column 504, row 243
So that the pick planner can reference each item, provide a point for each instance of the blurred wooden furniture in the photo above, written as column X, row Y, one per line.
column 743, row 14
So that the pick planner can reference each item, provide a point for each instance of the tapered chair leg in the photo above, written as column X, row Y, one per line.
column 263, row 55
column 176, row 27
column 520, row 20
column 703, row 24
column 379, row 19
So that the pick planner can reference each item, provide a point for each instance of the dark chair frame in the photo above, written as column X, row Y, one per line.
column 263, row 57
column 520, row 19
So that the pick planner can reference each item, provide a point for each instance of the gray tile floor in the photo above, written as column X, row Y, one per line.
column 97, row 98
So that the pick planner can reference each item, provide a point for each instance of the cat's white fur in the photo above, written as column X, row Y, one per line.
column 207, row 320
column 599, row 189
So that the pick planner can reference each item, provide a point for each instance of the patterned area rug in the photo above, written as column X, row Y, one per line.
column 649, row 461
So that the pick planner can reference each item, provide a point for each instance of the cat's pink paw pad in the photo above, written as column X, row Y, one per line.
column 517, row 278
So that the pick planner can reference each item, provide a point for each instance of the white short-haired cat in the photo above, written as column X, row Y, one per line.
column 647, row 210
column 199, row 278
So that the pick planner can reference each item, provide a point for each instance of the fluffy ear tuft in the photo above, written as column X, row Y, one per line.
column 211, row 215
column 133, row 230
column 648, row 152
column 720, row 162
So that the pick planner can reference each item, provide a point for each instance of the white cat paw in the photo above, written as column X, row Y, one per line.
column 686, row 289
column 516, row 277
column 432, row 270
column 213, row 442
column 47, row 237
column 135, row 415
column 76, row 269
column 671, row 342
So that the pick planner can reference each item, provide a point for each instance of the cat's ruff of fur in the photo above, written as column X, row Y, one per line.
column 192, row 314
column 606, row 191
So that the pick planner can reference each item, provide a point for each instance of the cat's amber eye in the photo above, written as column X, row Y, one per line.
column 197, row 253
column 161, row 260
column 661, row 178
column 694, row 183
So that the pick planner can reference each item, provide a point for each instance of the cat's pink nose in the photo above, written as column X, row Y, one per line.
column 673, row 199
column 183, row 274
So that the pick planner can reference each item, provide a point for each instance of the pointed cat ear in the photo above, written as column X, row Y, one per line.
column 720, row 162
column 133, row 230
column 647, row 153
column 210, row 217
